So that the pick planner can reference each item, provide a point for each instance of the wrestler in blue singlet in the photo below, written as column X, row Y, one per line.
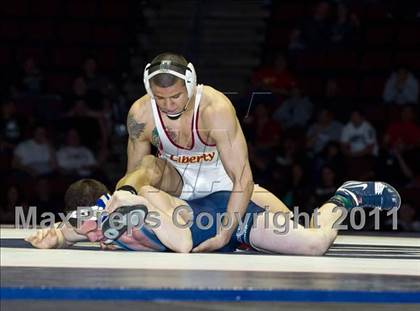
column 213, row 204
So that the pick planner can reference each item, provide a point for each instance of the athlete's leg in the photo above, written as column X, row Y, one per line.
column 155, row 172
column 265, row 199
column 277, row 233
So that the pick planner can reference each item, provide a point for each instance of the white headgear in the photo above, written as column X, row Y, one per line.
column 167, row 66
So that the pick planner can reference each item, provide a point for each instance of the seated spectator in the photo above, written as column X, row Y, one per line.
column 296, row 42
column 35, row 156
column 327, row 185
column 316, row 29
column 275, row 77
column 334, row 101
column 323, row 131
column 90, row 122
column 94, row 81
column 75, row 159
column 11, row 126
column 32, row 81
column 401, row 88
column 344, row 26
column 11, row 198
column 80, row 91
column 44, row 199
column 358, row 137
column 294, row 111
column 405, row 132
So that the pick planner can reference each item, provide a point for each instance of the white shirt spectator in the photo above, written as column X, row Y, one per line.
column 359, row 137
column 35, row 156
column 401, row 90
column 79, row 159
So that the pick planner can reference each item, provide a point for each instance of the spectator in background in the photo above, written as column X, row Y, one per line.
column 316, row 29
column 94, row 81
column 80, row 91
column 359, row 145
column 295, row 111
column 405, row 133
column 90, row 122
column 326, row 186
column 344, row 27
column 36, row 156
column 11, row 197
column 32, row 81
column 358, row 137
column 296, row 42
column 401, row 87
column 11, row 126
column 75, row 159
column 334, row 101
column 44, row 199
column 275, row 77
column 323, row 131
column 264, row 136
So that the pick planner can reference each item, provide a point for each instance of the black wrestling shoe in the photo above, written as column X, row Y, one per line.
column 116, row 223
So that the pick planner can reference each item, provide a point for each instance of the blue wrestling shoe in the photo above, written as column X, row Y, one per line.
column 371, row 194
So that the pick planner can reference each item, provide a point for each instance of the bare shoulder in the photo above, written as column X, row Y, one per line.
column 139, row 119
column 216, row 105
column 140, row 109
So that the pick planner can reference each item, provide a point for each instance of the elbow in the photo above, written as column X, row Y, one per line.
column 184, row 246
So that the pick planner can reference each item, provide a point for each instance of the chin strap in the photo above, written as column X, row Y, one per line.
column 177, row 115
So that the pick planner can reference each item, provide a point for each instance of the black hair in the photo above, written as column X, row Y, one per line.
column 166, row 79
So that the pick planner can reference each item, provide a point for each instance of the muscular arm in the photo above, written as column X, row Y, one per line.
column 138, row 144
column 232, row 147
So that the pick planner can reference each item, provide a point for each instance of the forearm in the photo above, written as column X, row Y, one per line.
column 238, row 203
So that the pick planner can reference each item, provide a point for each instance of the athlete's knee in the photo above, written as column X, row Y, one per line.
column 320, row 246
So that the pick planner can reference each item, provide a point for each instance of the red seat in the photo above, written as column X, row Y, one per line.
column 412, row 59
column 116, row 9
column 341, row 60
column 348, row 86
column 373, row 86
column 82, row 8
column 5, row 56
column 408, row 36
column 288, row 11
column 10, row 30
column 45, row 8
column 61, row 83
column 374, row 60
column 67, row 57
column 379, row 35
column 279, row 36
column 38, row 54
column 108, row 34
column 15, row 8
column 38, row 30
column 313, row 86
column 75, row 32
column 312, row 61
column 108, row 59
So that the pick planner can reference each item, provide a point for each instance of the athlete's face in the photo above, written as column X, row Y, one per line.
column 171, row 99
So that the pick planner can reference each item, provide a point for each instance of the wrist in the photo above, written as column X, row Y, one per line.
column 128, row 188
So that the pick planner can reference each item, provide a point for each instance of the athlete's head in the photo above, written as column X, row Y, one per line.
column 83, row 193
column 165, row 80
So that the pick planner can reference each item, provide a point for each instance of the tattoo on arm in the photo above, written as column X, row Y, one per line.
column 155, row 138
column 134, row 128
